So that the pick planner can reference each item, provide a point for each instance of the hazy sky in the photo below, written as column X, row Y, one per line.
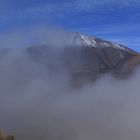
column 115, row 20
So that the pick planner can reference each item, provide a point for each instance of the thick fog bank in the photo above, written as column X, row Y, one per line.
column 37, row 103
column 37, row 100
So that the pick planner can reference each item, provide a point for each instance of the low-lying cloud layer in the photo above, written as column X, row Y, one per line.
column 37, row 103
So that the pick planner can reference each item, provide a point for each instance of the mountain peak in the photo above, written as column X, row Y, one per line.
column 83, row 40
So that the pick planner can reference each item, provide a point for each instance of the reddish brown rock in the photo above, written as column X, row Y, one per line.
column 4, row 136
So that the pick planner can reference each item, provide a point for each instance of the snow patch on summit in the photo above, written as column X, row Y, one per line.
column 90, row 41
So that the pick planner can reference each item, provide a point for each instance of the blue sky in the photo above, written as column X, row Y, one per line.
column 115, row 20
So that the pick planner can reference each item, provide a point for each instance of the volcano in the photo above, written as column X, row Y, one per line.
column 86, row 58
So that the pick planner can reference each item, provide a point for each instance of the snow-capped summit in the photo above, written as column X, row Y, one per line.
column 91, row 41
